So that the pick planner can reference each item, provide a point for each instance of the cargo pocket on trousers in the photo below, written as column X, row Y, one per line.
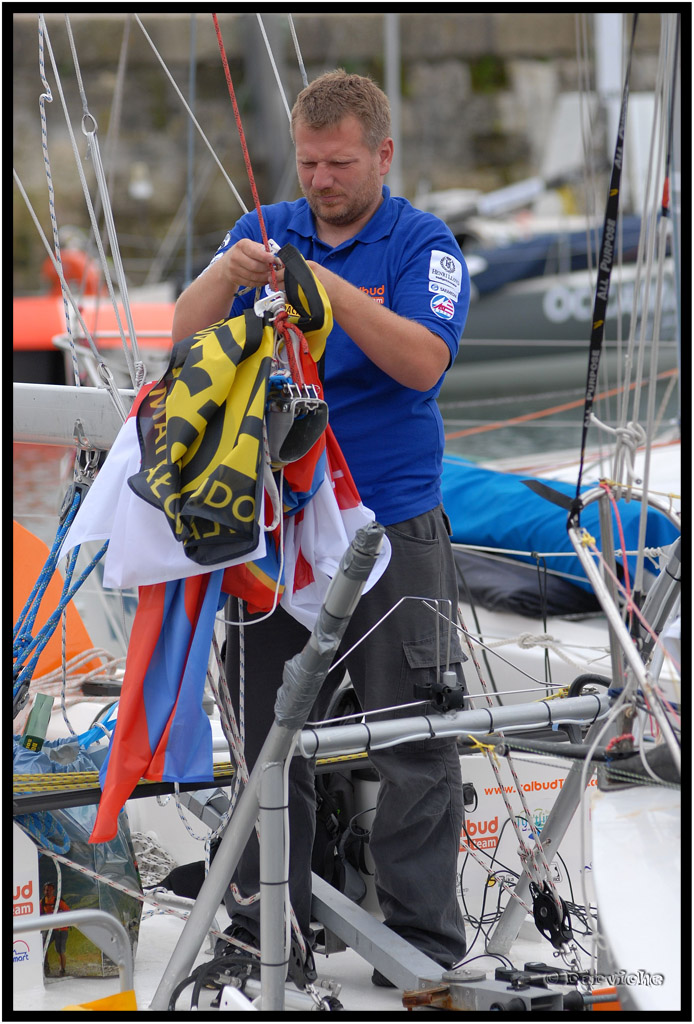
column 425, row 664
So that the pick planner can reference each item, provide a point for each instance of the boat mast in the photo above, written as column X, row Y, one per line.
column 392, row 65
column 608, row 28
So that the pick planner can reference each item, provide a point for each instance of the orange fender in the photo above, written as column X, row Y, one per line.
column 29, row 555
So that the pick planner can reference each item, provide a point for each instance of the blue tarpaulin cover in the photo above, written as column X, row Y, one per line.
column 497, row 510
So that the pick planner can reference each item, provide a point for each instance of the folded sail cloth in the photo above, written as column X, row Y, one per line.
column 142, row 548
column 201, row 437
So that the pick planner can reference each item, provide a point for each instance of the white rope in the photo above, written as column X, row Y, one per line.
column 153, row 862
column 106, row 670
column 630, row 438
column 270, row 484
column 275, row 600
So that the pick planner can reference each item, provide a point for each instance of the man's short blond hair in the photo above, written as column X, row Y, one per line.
column 337, row 94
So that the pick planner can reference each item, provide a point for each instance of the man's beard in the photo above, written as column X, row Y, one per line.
column 351, row 209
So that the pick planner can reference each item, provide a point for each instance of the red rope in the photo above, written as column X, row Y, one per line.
column 625, row 562
column 284, row 327
column 244, row 147
column 282, row 323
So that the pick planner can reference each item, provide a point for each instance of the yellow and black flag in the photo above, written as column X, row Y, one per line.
column 201, row 429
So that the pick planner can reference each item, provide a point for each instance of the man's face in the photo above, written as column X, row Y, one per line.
column 339, row 175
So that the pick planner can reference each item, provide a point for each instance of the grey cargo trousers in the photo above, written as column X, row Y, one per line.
column 416, row 830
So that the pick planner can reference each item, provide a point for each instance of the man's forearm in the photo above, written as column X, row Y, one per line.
column 205, row 301
column 405, row 350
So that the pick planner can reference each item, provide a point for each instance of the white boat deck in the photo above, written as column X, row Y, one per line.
column 158, row 937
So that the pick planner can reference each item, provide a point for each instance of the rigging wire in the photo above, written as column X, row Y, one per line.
column 102, row 366
column 660, row 241
column 78, row 163
column 47, row 97
column 190, row 204
column 302, row 69
column 274, row 68
column 244, row 147
column 89, row 129
column 106, row 375
column 550, row 411
column 192, row 116
column 603, row 283
column 112, row 134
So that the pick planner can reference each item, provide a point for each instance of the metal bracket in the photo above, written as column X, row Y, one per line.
column 269, row 302
column 104, row 930
column 80, row 438
column 403, row 964
column 296, row 418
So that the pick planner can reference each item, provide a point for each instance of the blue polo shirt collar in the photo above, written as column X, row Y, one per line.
column 380, row 225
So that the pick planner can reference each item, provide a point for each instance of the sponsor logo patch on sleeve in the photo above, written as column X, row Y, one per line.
column 443, row 306
column 445, row 274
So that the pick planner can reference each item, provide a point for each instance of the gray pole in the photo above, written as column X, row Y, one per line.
column 356, row 738
column 391, row 58
column 274, row 886
column 103, row 929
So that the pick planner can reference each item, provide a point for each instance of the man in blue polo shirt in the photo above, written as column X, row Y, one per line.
column 399, row 292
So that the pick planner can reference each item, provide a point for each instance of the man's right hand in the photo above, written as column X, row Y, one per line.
column 209, row 297
column 248, row 263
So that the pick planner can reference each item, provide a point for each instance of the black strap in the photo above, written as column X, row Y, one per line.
column 298, row 279
column 606, row 261
column 556, row 497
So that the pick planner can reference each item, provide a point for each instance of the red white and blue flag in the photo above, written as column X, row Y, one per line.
column 162, row 732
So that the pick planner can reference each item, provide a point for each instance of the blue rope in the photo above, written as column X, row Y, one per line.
column 35, row 597
column 46, row 830
column 42, row 638
column 97, row 732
